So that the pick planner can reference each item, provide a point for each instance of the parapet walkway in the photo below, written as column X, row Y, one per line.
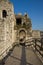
column 22, row 55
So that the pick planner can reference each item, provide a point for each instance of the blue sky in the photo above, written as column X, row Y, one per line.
column 34, row 9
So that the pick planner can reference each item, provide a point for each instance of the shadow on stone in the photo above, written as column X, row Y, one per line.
column 2, row 62
column 23, row 57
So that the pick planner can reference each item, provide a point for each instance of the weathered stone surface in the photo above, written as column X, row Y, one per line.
column 6, row 28
column 36, row 34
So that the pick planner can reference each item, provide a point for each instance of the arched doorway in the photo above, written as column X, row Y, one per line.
column 22, row 36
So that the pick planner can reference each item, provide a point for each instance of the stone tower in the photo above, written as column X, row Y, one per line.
column 7, row 19
column 23, row 27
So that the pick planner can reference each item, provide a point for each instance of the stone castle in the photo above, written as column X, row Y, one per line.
column 14, row 28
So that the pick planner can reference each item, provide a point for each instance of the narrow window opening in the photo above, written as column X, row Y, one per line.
column 4, row 13
column 18, row 21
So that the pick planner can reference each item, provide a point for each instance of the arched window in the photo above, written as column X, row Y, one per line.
column 4, row 13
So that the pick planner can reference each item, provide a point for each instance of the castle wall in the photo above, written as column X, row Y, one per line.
column 7, row 33
column 36, row 34
column 41, row 34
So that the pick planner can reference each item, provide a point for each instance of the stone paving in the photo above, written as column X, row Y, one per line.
column 22, row 55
